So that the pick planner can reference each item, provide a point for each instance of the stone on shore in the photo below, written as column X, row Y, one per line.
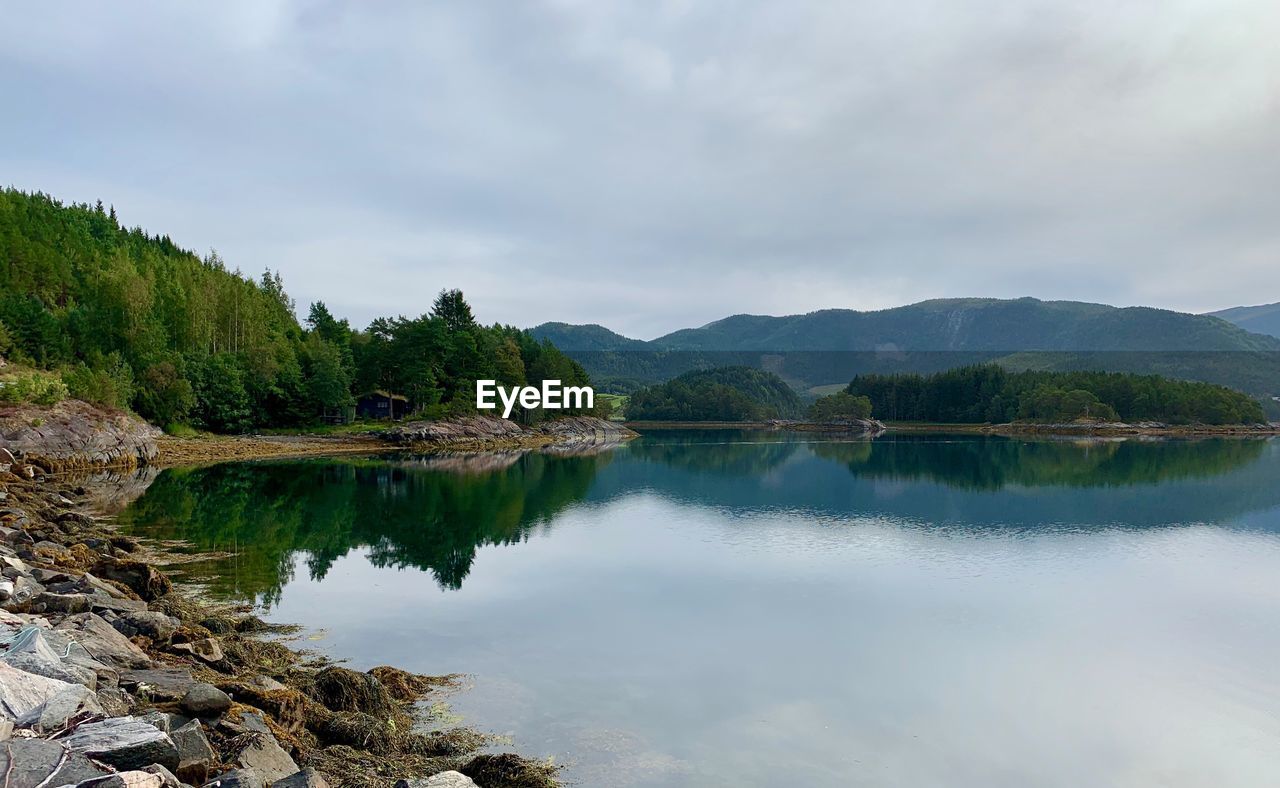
column 102, row 641
column 66, row 703
column 195, row 754
column 307, row 778
column 236, row 778
column 442, row 780
column 124, row 742
column 158, row 683
column 39, row 762
column 22, row 693
column 205, row 700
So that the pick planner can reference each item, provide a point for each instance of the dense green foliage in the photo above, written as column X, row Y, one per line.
column 720, row 394
column 839, row 407
column 130, row 320
column 990, row 393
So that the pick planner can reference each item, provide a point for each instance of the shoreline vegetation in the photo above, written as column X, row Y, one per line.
column 1012, row 428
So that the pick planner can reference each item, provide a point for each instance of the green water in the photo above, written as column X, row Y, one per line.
column 727, row 608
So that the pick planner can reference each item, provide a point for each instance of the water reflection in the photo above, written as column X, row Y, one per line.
column 433, row 513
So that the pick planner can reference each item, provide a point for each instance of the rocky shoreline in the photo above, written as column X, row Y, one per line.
column 111, row 676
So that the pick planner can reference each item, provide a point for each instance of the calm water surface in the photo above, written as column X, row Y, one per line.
column 738, row 609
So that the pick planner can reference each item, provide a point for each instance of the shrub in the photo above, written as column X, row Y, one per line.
column 37, row 388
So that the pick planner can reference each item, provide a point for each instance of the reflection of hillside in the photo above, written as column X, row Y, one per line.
column 994, row 462
column 407, row 516
column 743, row 454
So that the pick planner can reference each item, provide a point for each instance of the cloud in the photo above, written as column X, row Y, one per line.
column 650, row 166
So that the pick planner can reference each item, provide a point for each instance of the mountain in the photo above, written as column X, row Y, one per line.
column 1264, row 319
column 974, row 324
column 832, row 345
column 591, row 336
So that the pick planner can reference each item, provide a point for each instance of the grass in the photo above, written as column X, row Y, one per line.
column 619, row 403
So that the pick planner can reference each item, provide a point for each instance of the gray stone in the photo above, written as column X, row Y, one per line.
column 307, row 778
column 136, row 778
column 124, row 742
column 60, row 603
column 195, row 754
column 236, row 778
column 158, row 683
column 22, row 693
column 441, row 780
column 103, row 642
column 35, row 654
column 267, row 758
column 164, row 720
column 156, row 626
column 167, row 778
column 205, row 700
column 29, row 763
column 207, row 649
column 68, row 702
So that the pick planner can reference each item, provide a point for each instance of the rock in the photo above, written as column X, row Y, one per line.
column 143, row 579
column 307, row 778
column 115, row 701
column 129, row 779
column 167, row 778
column 24, row 591
column 68, row 702
column 73, row 434
column 236, row 778
column 124, row 742
column 22, row 693
column 343, row 689
column 34, row 653
column 29, row 763
column 267, row 683
column 164, row 720
column 60, row 603
column 266, row 757
column 158, row 683
column 195, row 754
column 208, row 649
column 440, row 780
column 149, row 623
column 205, row 700
column 103, row 641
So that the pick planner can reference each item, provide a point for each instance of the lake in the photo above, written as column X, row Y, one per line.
column 758, row 609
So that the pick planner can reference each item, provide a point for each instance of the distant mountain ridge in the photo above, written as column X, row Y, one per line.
column 962, row 324
column 830, row 346
column 1261, row 319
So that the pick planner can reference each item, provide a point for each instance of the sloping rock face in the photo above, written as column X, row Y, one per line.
column 74, row 435
column 490, row 431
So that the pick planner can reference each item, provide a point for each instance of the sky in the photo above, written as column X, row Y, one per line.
column 657, row 165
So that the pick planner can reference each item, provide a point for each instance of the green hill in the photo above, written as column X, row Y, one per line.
column 719, row 394
column 974, row 324
column 1263, row 319
column 591, row 336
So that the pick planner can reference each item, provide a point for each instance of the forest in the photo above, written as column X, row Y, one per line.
column 718, row 394
column 988, row 393
column 124, row 319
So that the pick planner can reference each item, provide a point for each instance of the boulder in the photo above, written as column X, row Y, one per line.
column 124, row 742
column 73, row 434
column 22, row 693
column 208, row 649
column 236, row 778
column 148, row 623
column 131, row 779
column 59, row 603
column 264, row 755
column 205, row 700
column 307, row 778
column 29, row 763
column 441, row 780
column 143, row 579
column 103, row 642
column 31, row 651
column 158, row 683
column 195, row 754
column 68, row 702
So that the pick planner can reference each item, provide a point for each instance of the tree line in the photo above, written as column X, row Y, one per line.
column 126, row 319
column 720, row 394
column 990, row 393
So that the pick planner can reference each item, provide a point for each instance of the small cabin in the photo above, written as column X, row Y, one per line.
column 382, row 405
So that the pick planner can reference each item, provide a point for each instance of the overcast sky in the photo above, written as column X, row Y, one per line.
column 656, row 165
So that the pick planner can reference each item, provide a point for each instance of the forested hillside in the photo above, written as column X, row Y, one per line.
column 1261, row 319
column 123, row 318
column 990, row 393
column 720, row 394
